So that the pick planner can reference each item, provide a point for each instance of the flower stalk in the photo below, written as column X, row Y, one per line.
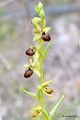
column 38, row 54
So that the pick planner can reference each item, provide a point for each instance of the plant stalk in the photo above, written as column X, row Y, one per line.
column 41, row 82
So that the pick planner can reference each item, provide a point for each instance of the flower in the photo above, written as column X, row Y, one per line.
column 36, row 112
column 46, row 37
column 30, row 52
column 28, row 73
column 47, row 89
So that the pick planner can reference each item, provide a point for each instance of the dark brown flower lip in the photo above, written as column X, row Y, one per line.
column 28, row 73
column 48, row 90
column 30, row 52
column 35, row 114
column 46, row 37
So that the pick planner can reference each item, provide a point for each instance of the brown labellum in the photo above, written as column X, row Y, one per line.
column 48, row 90
column 46, row 37
column 35, row 114
column 28, row 73
column 30, row 52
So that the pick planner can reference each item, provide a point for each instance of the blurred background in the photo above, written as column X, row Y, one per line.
column 62, row 63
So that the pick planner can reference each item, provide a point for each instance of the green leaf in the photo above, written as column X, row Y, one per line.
column 55, row 108
column 28, row 93
column 46, row 29
column 36, row 37
column 46, row 50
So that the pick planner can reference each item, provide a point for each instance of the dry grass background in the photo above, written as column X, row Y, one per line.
column 62, row 64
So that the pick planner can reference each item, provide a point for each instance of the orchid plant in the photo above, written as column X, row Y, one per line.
column 37, row 55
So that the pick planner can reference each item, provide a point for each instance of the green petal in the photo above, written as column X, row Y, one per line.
column 46, row 29
column 46, row 83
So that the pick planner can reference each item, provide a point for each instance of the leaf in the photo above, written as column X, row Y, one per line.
column 46, row 50
column 55, row 108
column 36, row 37
column 46, row 29
column 28, row 93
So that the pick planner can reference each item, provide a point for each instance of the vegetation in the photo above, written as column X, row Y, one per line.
column 37, row 55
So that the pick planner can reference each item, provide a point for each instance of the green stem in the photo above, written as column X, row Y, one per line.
column 41, row 82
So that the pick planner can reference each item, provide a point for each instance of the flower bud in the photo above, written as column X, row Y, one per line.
column 46, row 37
column 30, row 52
column 35, row 114
column 48, row 90
column 28, row 73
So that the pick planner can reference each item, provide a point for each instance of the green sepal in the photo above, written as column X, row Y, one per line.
column 28, row 93
column 55, row 108
column 37, row 28
column 47, row 29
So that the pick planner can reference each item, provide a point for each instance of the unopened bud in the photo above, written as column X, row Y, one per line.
column 28, row 73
